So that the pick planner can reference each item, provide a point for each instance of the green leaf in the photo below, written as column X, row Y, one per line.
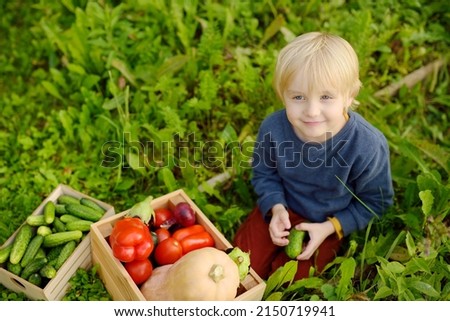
column 425, row 288
column 427, row 181
column 125, row 71
column 125, row 184
column 51, row 89
column 436, row 152
column 427, row 201
column 115, row 102
column 329, row 292
column 135, row 162
column 411, row 246
column 272, row 29
column 77, row 69
column 281, row 276
column 409, row 150
column 166, row 176
column 26, row 142
column 421, row 264
column 308, row 283
column 275, row 296
column 228, row 134
column 345, row 286
column 383, row 292
column 172, row 65
column 395, row 267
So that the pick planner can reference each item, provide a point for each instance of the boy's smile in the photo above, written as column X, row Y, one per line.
column 315, row 114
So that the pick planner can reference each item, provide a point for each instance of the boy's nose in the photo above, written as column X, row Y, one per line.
column 313, row 109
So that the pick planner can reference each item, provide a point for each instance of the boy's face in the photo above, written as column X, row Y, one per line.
column 317, row 115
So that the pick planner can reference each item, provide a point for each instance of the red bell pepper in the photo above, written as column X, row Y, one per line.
column 131, row 240
column 193, row 237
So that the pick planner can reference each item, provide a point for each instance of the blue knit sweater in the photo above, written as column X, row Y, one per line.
column 305, row 177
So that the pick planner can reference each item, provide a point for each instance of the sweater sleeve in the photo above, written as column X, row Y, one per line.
column 372, row 189
column 266, row 181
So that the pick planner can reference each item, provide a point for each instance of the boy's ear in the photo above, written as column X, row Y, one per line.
column 349, row 102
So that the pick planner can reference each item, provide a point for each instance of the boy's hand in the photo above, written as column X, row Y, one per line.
column 318, row 232
column 279, row 225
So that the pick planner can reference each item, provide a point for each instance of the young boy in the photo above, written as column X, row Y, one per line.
column 318, row 166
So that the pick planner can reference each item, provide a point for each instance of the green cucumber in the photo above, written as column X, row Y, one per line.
column 79, row 225
column 33, row 267
column 59, row 238
column 49, row 212
column 59, row 225
column 14, row 268
column 60, row 209
column 48, row 271
column 32, row 249
column 90, row 203
column 4, row 253
column 66, row 218
column 44, row 230
column 67, row 199
column 36, row 220
column 53, row 253
column 66, row 251
column 40, row 253
column 20, row 243
column 84, row 212
column 35, row 279
column 295, row 245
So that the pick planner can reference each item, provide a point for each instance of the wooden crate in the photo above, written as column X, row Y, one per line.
column 56, row 288
column 117, row 280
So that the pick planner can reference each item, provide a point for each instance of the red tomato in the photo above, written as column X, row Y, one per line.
column 139, row 270
column 168, row 251
column 162, row 234
column 162, row 215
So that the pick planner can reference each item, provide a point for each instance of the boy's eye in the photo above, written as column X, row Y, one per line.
column 326, row 97
column 299, row 97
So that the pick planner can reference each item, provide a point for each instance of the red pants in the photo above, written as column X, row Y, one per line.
column 265, row 257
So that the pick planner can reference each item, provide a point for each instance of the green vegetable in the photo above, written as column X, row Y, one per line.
column 59, row 225
column 44, row 230
column 20, row 243
column 90, row 203
column 4, row 253
column 60, row 209
column 48, row 271
column 79, row 225
column 36, row 220
column 295, row 245
column 40, row 253
column 32, row 249
column 53, row 253
column 84, row 212
column 35, row 279
column 49, row 212
column 66, row 218
column 66, row 251
column 67, row 199
column 14, row 268
column 33, row 267
column 59, row 238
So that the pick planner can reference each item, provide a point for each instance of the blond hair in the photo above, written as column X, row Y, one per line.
column 323, row 59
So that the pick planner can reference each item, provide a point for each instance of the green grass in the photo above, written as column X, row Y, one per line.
column 150, row 84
